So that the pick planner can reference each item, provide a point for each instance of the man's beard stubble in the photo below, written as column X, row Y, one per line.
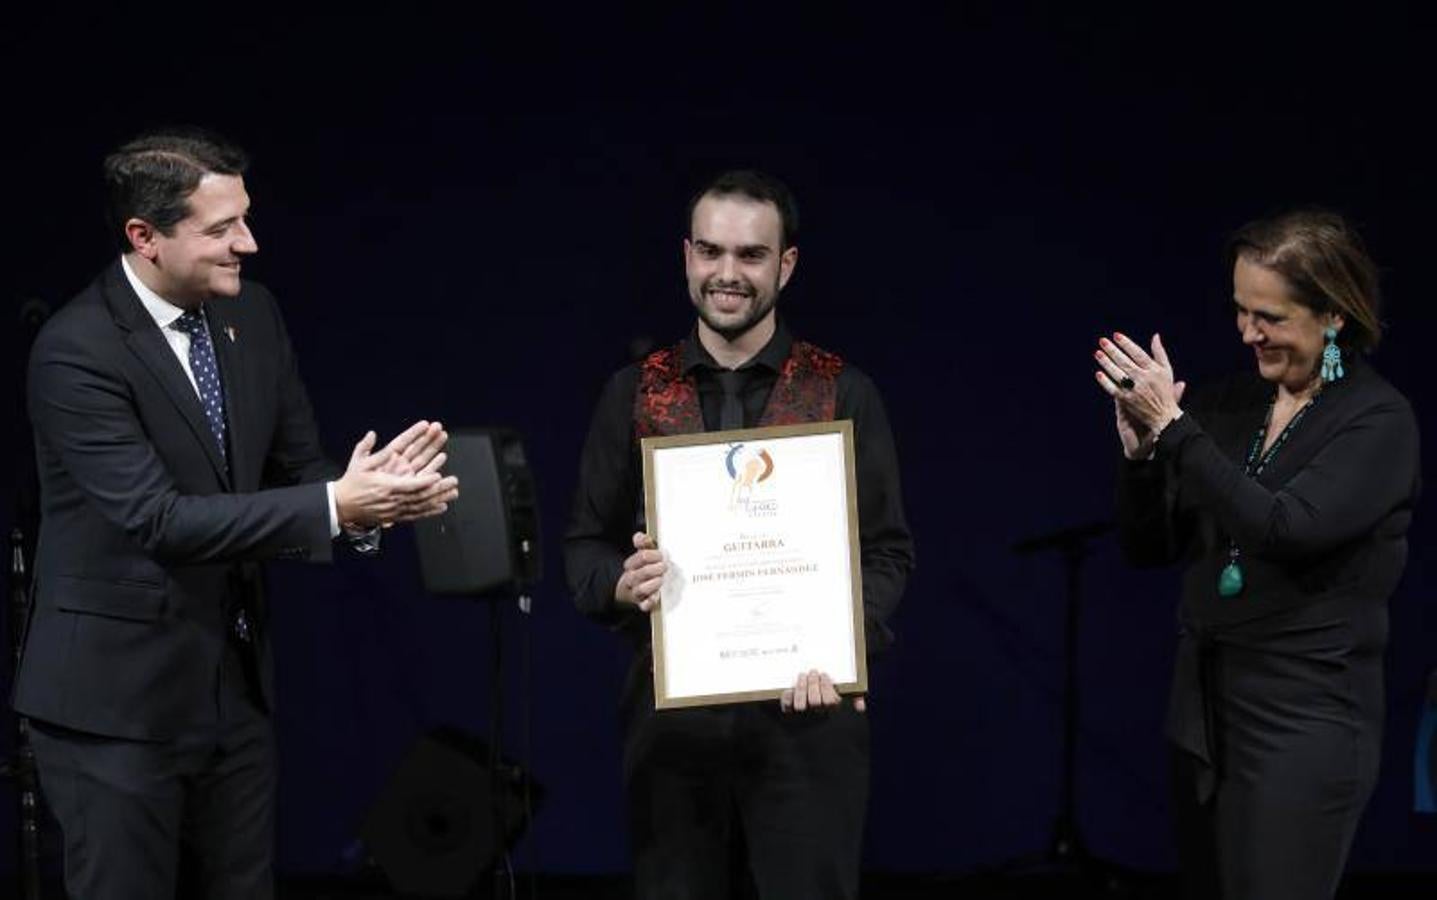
column 757, row 311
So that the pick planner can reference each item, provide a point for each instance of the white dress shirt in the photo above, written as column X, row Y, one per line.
column 165, row 315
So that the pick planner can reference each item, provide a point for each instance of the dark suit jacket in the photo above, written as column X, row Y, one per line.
column 146, row 542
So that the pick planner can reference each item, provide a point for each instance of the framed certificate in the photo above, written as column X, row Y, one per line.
column 760, row 531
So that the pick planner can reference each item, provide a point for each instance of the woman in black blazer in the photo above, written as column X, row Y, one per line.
column 1286, row 493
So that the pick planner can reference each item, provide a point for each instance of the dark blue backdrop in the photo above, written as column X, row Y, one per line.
column 471, row 219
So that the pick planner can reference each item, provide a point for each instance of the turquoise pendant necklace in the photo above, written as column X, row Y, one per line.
column 1230, row 581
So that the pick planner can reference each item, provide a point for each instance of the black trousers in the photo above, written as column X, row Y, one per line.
column 188, row 817
column 1296, row 735
column 711, row 784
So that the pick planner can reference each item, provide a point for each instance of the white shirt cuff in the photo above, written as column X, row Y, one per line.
column 333, row 510
column 363, row 540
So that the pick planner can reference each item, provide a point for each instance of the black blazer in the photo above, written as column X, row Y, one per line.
column 146, row 541
column 1327, row 518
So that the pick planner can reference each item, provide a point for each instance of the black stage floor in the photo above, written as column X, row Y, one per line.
column 1133, row 886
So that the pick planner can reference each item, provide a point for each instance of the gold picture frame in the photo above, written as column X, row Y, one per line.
column 654, row 451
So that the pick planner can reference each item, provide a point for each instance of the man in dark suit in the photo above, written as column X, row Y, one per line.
column 176, row 449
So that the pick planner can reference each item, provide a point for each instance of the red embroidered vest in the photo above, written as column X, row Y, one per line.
column 667, row 401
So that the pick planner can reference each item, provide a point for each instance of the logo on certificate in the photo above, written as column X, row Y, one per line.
column 748, row 468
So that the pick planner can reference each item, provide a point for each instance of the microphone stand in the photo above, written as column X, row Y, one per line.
column 20, row 769
column 1066, row 849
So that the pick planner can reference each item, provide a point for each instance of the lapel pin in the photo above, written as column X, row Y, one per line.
column 230, row 333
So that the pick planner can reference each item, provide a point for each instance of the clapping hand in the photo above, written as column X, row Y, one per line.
column 418, row 450
column 1145, row 396
column 399, row 483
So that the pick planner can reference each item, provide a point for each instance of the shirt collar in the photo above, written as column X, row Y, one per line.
column 772, row 356
column 161, row 310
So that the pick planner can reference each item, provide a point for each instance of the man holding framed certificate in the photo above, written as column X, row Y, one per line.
column 739, row 516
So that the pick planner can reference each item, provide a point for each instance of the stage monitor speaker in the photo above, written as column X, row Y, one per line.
column 487, row 542
column 432, row 830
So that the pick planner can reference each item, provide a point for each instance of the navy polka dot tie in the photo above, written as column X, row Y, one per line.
column 207, row 374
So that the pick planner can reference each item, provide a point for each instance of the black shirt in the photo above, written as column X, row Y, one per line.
column 608, row 505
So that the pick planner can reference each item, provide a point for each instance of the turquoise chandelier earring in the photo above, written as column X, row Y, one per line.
column 1331, row 357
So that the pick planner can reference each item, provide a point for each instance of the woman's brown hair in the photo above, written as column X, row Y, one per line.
column 1325, row 264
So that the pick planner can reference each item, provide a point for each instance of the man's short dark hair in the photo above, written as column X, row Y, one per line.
column 152, row 176
column 758, row 186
